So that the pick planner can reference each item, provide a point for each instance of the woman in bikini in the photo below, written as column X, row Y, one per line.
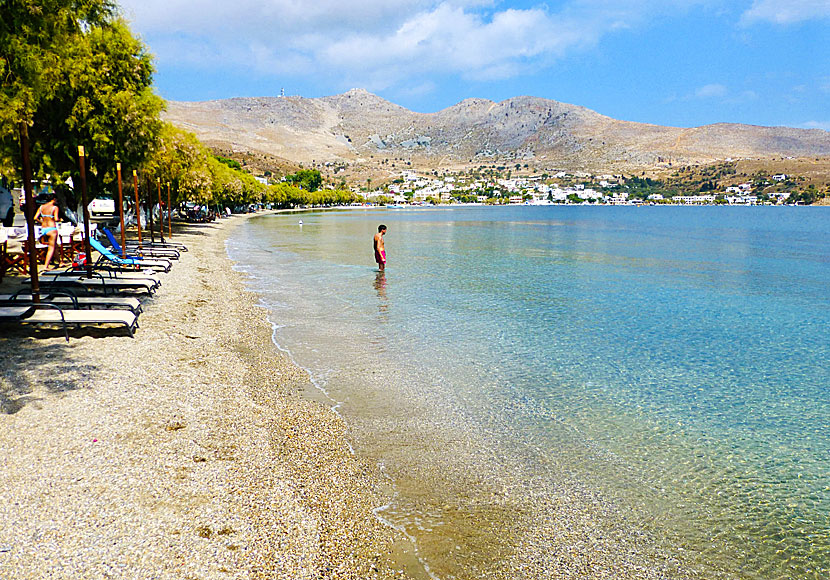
column 48, row 216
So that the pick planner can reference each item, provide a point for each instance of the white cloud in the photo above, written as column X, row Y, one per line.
column 711, row 91
column 787, row 11
column 721, row 94
column 381, row 43
column 452, row 40
column 824, row 125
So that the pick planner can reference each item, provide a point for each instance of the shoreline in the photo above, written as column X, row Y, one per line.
column 188, row 451
column 461, row 499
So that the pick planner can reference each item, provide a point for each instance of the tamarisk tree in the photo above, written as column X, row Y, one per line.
column 71, row 73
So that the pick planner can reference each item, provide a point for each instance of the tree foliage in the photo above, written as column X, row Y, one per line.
column 73, row 74
column 199, row 176
column 308, row 179
column 103, row 100
column 32, row 34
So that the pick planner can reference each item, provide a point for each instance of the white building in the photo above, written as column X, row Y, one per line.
column 742, row 199
column 694, row 199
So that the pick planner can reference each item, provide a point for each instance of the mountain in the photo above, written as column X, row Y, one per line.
column 359, row 127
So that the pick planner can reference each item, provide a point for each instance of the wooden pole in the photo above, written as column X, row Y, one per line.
column 87, row 246
column 161, row 214
column 137, row 206
column 30, row 210
column 150, row 213
column 121, row 212
column 169, row 211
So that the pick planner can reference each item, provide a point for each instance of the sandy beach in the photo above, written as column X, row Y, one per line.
column 189, row 451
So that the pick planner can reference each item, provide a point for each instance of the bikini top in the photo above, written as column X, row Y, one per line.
column 53, row 214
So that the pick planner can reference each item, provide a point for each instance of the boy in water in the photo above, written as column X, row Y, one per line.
column 380, row 251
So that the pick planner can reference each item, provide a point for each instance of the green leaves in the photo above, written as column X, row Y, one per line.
column 73, row 72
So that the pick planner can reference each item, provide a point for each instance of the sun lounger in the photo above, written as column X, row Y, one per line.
column 99, row 283
column 133, row 263
column 105, row 273
column 155, row 245
column 140, row 253
column 70, row 301
column 51, row 314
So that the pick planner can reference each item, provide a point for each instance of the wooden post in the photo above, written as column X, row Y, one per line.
column 30, row 209
column 169, row 211
column 161, row 214
column 87, row 246
column 150, row 213
column 121, row 212
column 137, row 206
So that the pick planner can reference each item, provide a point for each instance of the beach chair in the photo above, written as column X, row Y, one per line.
column 3, row 245
column 66, row 247
column 15, row 257
column 66, row 299
column 98, row 283
column 131, row 263
column 144, row 244
column 140, row 253
column 44, row 313
column 105, row 272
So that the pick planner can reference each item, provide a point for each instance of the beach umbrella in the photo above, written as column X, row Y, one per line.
column 87, row 246
column 30, row 210
column 137, row 206
column 121, row 212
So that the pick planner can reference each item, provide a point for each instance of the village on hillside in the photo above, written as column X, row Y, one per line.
column 719, row 184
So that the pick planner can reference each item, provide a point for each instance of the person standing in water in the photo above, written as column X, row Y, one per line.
column 380, row 250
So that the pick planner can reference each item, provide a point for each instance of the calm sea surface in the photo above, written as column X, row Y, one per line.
column 674, row 361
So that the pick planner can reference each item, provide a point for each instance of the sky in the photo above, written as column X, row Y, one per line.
column 682, row 63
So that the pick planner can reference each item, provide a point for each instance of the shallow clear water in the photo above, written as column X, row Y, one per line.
column 674, row 359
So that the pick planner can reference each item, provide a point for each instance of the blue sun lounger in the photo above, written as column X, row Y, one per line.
column 141, row 253
column 134, row 263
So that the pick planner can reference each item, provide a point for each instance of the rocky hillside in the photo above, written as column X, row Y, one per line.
column 358, row 126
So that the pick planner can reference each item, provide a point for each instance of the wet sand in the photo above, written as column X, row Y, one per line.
column 188, row 451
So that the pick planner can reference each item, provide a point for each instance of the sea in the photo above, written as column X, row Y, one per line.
column 645, row 389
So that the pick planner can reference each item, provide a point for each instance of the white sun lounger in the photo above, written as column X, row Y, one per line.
column 123, row 302
column 103, row 284
column 103, row 273
column 51, row 314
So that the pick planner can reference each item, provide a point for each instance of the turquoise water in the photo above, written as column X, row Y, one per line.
column 674, row 360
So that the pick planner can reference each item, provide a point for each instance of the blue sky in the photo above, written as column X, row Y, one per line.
column 671, row 62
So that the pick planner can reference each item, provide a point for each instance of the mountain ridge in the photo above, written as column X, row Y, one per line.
column 359, row 127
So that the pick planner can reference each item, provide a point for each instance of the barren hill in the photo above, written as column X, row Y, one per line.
column 359, row 126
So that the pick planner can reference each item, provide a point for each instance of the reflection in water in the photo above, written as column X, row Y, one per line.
column 380, row 288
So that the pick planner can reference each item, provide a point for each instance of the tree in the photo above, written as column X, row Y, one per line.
column 232, row 163
column 182, row 160
column 103, row 100
column 307, row 179
column 33, row 37
column 85, row 81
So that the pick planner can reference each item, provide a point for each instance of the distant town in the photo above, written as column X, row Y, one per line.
column 718, row 184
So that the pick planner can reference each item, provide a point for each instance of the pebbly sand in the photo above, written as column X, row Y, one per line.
column 186, row 452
